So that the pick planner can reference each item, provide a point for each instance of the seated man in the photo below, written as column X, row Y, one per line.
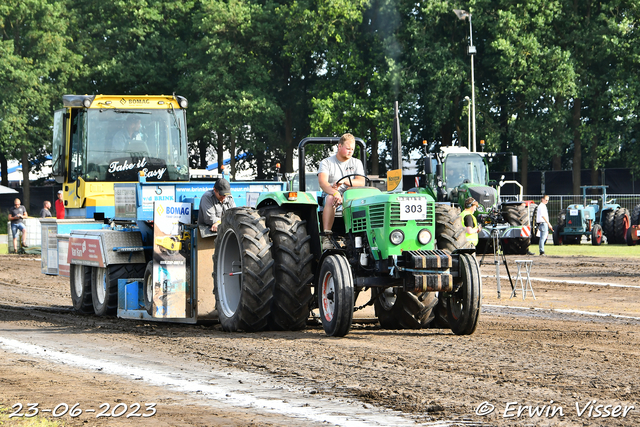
column 331, row 170
column 126, row 134
column 212, row 205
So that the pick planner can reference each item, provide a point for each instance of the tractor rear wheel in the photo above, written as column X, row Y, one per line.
column 621, row 226
column 450, row 233
column 558, row 239
column 80, row 280
column 596, row 235
column 635, row 215
column 291, row 253
column 397, row 309
column 608, row 226
column 533, row 208
column 464, row 304
column 243, row 266
column 516, row 216
column 335, row 295
column 630, row 241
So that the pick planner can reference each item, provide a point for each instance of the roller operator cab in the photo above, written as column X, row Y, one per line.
column 102, row 139
column 413, row 258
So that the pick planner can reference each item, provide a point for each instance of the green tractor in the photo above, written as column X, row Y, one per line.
column 457, row 173
column 271, row 271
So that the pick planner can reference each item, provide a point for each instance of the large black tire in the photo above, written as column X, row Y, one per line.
column 464, row 305
column 243, row 266
column 335, row 295
column 516, row 216
column 104, row 285
column 397, row 309
column 622, row 222
column 608, row 226
column 533, row 208
column 147, row 288
column 562, row 217
column 558, row 240
column 291, row 252
column 635, row 215
column 630, row 241
column 450, row 233
column 596, row 235
column 80, row 280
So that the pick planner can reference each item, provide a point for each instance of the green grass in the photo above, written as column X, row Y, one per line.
column 36, row 421
column 587, row 249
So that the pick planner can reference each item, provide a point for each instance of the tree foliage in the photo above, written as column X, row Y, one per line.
column 555, row 80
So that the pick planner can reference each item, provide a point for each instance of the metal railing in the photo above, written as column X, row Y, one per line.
column 558, row 203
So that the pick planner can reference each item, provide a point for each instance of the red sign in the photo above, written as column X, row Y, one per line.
column 85, row 251
column 526, row 231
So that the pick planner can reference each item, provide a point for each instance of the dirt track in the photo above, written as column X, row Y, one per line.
column 519, row 356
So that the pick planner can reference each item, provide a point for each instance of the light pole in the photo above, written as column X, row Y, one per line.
column 466, row 98
column 462, row 14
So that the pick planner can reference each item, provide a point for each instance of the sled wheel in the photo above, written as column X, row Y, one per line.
column 148, row 288
column 80, row 280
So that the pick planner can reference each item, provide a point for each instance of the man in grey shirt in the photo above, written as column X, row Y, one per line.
column 331, row 170
column 212, row 205
column 45, row 212
column 16, row 213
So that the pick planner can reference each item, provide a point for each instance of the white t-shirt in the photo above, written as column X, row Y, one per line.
column 336, row 169
column 542, row 213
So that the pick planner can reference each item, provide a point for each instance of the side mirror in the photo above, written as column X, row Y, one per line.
column 428, row 169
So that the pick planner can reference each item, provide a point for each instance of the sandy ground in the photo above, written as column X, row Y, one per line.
column 526, row 355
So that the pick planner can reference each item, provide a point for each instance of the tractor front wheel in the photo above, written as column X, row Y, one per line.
column 335, row 296
column 516, row 216
column 596, row 235
column 558, row 239
column 463, row 305
column 243, row 266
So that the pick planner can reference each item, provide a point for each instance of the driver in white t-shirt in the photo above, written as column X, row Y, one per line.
column 331, row 170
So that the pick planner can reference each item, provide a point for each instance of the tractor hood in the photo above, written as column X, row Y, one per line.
column 378, row 214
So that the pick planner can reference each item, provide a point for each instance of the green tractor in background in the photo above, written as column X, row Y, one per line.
column 457, row 173
column 271, row 271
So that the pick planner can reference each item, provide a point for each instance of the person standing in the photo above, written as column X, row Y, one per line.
column 45, row 211
column 60, row 206
column 213, row 204
column 331, row 170
column 542, row 221
column 469, row 220
column 16, row 214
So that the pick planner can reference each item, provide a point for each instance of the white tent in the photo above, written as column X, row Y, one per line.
column 6, row 190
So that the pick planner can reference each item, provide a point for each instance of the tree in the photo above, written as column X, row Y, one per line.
column 35, row 65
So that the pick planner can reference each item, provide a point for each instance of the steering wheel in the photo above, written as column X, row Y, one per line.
column 367, row 181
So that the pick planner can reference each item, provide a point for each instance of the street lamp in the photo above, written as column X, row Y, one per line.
column 466, row 98
column 463, row 14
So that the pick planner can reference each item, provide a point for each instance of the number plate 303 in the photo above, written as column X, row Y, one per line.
column 413, row 208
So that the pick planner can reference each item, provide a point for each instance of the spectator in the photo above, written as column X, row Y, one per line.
column 45, row 212
column 542, row 219
column 16, row 214
column 212, row 205
column 60, row 206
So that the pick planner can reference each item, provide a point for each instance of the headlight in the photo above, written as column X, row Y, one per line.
column 424, row 236
column 396, row 237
